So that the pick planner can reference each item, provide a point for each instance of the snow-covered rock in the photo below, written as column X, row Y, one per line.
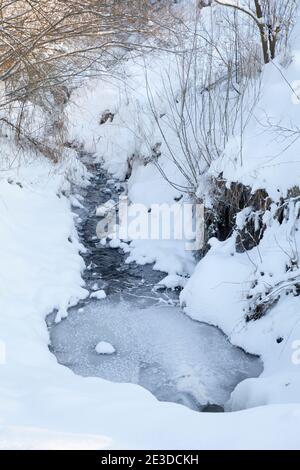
column 99, row 295
column 105, row 208
column 172, row 281
column 105, row 348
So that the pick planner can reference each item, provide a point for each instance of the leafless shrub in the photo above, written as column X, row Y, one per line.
column 46, row 45
column 274, row 20
column 218, row 87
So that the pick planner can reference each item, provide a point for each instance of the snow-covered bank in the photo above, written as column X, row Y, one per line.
column 159, row 428
column 226, row 283
column 270, row 149
column 217, row 294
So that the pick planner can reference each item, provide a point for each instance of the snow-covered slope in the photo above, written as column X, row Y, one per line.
column 271, row 143
column 225, row 282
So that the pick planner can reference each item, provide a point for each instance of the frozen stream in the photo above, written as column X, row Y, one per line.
column 157, row 346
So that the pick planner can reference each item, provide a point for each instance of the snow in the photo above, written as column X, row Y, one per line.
column 99, row 295
column 104, row 348
column 133, row 131
column 168, row 256
column 43, row 404
column 115, row 243
column 223, row 279
column 222, row 282
column 273, row 162
column 27, row 438
column 172, row 281
column 40, row 271
column 40, row 399
column 105, row 208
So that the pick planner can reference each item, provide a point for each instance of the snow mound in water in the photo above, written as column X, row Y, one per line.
column 99, row 295
column 104, row 348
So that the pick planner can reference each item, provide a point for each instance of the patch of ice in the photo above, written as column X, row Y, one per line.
column 159, row 348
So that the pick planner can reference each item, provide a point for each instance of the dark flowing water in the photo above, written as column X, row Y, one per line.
column 156, row 345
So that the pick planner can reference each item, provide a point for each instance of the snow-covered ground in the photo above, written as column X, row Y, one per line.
column 43, row 404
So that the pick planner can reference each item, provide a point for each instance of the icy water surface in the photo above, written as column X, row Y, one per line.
column 157, row 345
